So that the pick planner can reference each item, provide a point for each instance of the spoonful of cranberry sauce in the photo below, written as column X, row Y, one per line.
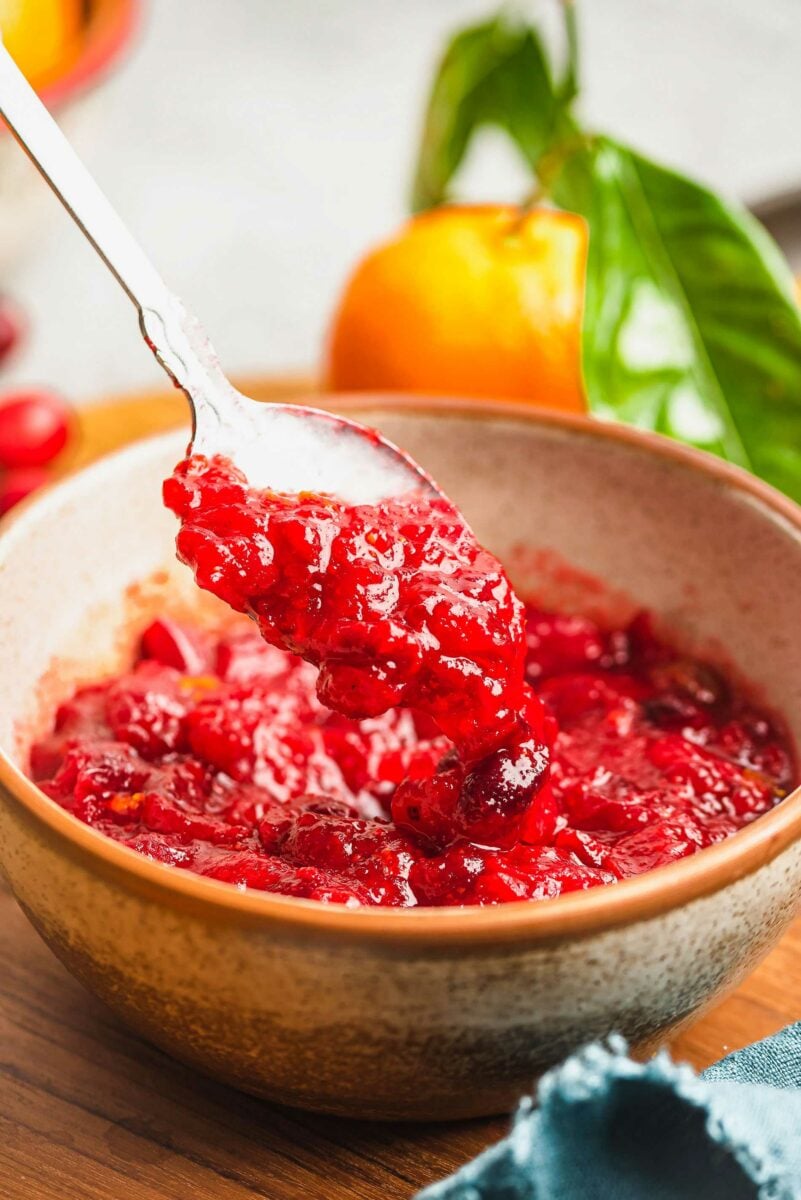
column 336, row 543
column 398, row 605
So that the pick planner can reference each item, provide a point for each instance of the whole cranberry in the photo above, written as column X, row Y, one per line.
column 16, row 485
column 34, row 427
column 174, row 645
column 499, row 790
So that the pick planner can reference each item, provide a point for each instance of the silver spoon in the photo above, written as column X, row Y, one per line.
column 285, row 447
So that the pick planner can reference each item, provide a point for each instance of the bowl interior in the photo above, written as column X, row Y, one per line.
column 563, row 503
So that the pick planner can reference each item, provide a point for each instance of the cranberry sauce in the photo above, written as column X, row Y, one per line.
column 218, row 756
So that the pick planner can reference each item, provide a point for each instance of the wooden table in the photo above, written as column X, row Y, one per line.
column 90, row 1112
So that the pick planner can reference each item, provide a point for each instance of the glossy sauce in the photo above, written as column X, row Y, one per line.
column 216, row 755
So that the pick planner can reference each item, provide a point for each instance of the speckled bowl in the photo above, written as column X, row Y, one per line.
column 410, row 1014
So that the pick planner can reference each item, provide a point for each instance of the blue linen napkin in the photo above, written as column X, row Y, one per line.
column 606, row 1128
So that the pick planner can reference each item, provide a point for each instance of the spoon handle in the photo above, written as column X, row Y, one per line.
column 175, row 337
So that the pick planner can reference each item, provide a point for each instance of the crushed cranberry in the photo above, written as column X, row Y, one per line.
column 241, row 774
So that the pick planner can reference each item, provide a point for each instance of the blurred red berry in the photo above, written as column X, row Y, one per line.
column 176, row 646
column 11, row 327
column 17, row 484
column 34, row 426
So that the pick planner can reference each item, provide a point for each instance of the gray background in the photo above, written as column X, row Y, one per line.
column 258, row 146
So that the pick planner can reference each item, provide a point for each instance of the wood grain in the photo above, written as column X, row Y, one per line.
column 90, row 1112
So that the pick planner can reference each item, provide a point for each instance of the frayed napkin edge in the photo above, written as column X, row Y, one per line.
column 586, row 1076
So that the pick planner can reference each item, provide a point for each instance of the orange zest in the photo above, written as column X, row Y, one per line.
column 124, row 804
column 198, row 683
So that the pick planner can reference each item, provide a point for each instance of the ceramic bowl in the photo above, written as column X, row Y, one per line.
column 107, row 29
column 410, row 1014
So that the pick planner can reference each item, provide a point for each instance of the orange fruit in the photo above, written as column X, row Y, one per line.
column 471, row 301
column 40, row 35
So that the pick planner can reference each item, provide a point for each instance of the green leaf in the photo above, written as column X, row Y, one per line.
column 496, row 73
column 690, row 325
column 568, row 87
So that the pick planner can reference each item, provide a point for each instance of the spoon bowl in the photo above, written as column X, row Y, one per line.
column 293, row 448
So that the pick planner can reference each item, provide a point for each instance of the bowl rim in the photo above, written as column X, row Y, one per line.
column 573, row 915
column 110, row 26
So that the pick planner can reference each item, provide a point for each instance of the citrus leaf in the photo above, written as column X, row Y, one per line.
column 495, row 73
column 690, row 325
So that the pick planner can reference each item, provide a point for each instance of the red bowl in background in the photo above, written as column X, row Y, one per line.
column 107, row 30
column 106, row 34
